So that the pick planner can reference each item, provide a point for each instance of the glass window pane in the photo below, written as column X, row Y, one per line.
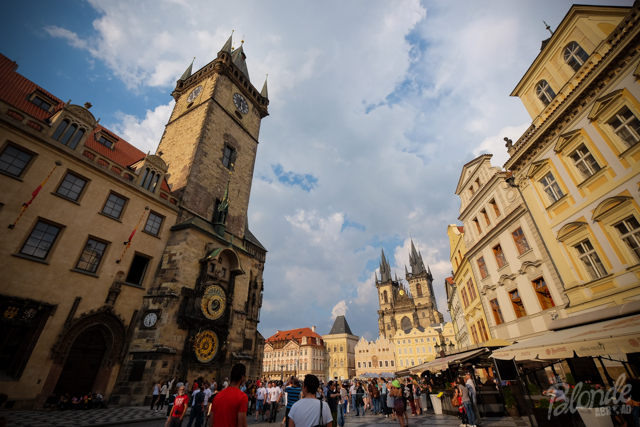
column 114, row 206
column 67, row 135
column 40, row 240
column 13, row 160
column 71, row 187
column 61, row 127
column 91, row 256
column 76, row 139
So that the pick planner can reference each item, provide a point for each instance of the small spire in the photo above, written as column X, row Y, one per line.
column 264, row 92
column 375, row 272
column 406, row 272
column 228, row 45
column 187, row 72
column 548, row 27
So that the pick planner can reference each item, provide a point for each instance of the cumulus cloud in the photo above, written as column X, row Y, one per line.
column 374, row 108
column 495, row 144
column 340, row 309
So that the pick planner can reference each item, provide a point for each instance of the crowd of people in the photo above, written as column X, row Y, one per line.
column 293, row 403
column 68, row 401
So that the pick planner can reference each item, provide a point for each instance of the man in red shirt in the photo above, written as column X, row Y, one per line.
column 229, row 406
column 179, row 409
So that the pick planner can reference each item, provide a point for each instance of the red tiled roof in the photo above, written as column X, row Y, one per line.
column 296, row 334
column 461, row 228
column 14, row 90
column 450, row 280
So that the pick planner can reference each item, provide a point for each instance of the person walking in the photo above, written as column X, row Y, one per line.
column 416, row 397
column 383, row 397
column 466, row 402
column 352, row 394
column 155, row 393
column 333, row 395
column 308, row 411
column 179, row 408
column 274, row 397
column 473, row 396
column 375, row 397
column 408, row 395
column 359, row 399
column 197, row 407
column 293, row 392
column 162, row 397
column 390, row 400
column 399, row 403
column 260, row 399
column 229, row 407
column 342, row 404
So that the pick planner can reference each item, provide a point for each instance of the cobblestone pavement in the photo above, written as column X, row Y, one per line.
column 95, row 417
column 143, row 417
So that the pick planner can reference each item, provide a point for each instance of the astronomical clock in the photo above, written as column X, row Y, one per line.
column 205, row 310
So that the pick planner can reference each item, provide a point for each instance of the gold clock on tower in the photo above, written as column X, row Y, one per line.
column 206, row 346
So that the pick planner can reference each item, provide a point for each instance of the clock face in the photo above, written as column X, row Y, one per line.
column 206, row 346
column 214, row 302
column 240, row 103
column 194, row 94
column 150, row 320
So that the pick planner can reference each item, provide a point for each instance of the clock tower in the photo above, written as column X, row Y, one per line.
column 201, row 314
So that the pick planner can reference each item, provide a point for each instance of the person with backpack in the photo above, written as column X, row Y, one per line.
column 465, row 400
column 197, row 407
column 399, row 404
column 308, row 411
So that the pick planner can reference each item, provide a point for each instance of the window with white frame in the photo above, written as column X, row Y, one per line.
column 575, row 56
column 544, row 92
column 590, row 259
column 626, row 126
column 551, row 187
column 584, row 162
column 629, row 229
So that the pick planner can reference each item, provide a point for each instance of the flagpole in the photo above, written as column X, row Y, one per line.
column 34, row 194
column 128, row 242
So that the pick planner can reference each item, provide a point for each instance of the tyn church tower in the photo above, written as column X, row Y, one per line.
column 200, row 315
column 403, row 308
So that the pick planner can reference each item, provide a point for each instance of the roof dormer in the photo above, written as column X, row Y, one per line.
column 72, row 125
column 151, row 171
column 566, row 57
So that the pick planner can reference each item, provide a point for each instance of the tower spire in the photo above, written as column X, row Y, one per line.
column 187, row 72
column 264, row 91
column 385, row 269
column 228, row 44
column 415, row 260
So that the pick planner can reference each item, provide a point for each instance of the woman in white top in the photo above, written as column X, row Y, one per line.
column 156, row 392
column 163, row 396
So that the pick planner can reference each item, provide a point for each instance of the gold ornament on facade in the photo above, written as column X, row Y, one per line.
column 214, row 302
column 206, row 346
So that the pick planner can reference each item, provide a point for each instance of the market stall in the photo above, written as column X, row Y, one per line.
column 587, row 352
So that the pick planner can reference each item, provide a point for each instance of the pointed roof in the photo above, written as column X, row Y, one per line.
column 239, row 59
column 228, row 44
column 187, row 72
column 385, row 269
column 340, row 326
column 264, row 91
column 415, row 260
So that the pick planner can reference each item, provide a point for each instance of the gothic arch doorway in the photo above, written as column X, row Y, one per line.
column 405, row 324
column 83, row 363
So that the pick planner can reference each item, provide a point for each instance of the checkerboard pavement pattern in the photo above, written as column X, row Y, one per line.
column 94, row 417
column 432, row 420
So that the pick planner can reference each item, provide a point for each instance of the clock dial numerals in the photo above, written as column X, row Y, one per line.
column 240, row 103
column 150, row 320
column 194, row 94
column 214, row 302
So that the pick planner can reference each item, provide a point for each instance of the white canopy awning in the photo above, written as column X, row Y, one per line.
column 614, row 337
column 443, row 362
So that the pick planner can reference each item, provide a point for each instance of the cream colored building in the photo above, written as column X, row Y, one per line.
column 578, row 165
column 296, row 352
column 375, row 356
column 457, row 314
column 519, row 288
column 70, row 294
column 340, row 356
column 418, row 345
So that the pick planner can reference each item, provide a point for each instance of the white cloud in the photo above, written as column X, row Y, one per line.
column 340, row 309
column 381, row 102
column 495, row 144
column 144, row 133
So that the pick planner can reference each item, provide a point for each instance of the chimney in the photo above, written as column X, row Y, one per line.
column 313, row 329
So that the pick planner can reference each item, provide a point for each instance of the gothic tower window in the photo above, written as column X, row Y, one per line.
column 406, row 323
column 419, row 289
column 386, row 297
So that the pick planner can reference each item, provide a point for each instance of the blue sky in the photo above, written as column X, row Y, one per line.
column 374, row 108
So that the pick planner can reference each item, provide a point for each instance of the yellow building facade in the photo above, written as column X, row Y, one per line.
column 298, row 352
column 340, row 352
column 418, row 345
column 375, row 357
column 472, row 310
column 578, row 165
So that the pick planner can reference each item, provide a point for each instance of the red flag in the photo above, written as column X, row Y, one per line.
column 34, row 194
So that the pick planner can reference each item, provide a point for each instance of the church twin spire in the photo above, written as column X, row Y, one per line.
column 415, row 261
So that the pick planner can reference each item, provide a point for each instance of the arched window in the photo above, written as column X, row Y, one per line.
column 575, row 56
column 341, row 363
column 544, row 92
column 67, row 135
column 419, row 289
column 386, row 297
column 358, row 364
column 61, row 127
column 406, row 324
column 392, row 363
